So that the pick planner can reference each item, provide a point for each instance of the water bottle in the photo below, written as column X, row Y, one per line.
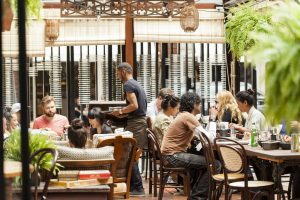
column 295, row 142
column 253, row 139
column 232, row 132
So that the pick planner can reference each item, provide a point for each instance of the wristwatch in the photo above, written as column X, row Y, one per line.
column 120, row 112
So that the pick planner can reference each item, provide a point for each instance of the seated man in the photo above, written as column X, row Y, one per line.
column 176, row 141
column 51, row 120
column 154, row 107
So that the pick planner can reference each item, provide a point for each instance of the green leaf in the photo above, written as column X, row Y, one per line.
column 33, row 8
column 279, row 45
column 243, row 20
column 12, row 148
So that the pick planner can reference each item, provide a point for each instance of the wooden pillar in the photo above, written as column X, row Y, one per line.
column 129, row 40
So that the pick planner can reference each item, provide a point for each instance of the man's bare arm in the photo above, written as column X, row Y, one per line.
column 132, row 106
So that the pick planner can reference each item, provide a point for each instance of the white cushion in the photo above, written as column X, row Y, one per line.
column 68, row 153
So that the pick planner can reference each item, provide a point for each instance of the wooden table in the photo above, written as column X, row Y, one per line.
column 98, row 192
column 12, row 169
column 280, row 159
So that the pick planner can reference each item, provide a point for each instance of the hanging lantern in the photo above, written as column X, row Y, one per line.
column 52, row 29
column 189, row 18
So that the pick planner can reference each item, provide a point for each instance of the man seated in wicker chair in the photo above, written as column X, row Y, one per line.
column 176, row 141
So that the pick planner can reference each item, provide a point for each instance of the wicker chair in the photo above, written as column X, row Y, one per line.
column 216, row 179
column 154, row 149
column 234, row 160
column 39, row 155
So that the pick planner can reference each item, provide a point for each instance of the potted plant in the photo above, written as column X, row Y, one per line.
column 12, row 148
column 242, row 20
column 278, row 46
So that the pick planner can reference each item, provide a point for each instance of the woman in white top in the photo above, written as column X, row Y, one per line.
column 245, row 101
column 170, row 107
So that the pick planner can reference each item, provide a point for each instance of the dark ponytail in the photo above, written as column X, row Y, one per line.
column 248, row 96
column 169, row 101
column 77, row 134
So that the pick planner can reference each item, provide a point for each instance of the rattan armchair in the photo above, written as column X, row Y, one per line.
column 216, row 179
column 234, row 160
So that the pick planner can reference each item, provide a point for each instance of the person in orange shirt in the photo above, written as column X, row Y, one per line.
column 50, row 120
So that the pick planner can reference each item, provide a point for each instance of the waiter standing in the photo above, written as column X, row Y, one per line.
column 136, row 108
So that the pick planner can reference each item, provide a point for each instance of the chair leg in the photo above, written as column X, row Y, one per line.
column 150, row 175
column 226, row 192
column 155, row 178
column 147, row 158
column 271, row 193
column 186, row 184
column 212, row 190
column 220, row 189
column 143, row 161
column 163, row 180
column 290, row 186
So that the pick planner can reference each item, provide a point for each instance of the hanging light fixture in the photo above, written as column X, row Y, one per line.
column 52, row 29
column 189, row 18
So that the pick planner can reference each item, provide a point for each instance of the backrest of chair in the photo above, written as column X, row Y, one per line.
column 232, row 155
column 208, row 152
column 149, row 122
column 124, row 155
column 154, row 146
column 39, row 155
column 233, row 158
column 151, row 132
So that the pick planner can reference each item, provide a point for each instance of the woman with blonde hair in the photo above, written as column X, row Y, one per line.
column 227, row 109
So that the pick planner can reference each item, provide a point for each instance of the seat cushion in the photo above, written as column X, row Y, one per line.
column 231, row 177
column 251, row 184
column 68, row 153
column 120, row 188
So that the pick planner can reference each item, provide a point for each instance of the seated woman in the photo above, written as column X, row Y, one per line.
column 97, row 121
column 79, row 147
column 77, row 135
column 12, row 121
column 170, row 107
column 226, row 109
column 245, row 101
column 6, row 133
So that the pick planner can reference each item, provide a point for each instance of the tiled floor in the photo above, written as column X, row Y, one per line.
column 169, row 194
column 172, row 194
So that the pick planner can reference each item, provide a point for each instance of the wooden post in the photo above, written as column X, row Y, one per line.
column 129, row 40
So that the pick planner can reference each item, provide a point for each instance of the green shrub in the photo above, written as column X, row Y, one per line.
column 12, row 148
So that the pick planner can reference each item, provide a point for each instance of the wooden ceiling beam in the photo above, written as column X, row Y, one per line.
column 198, row 5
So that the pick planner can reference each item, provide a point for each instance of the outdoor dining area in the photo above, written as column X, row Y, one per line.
column 142, row 99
